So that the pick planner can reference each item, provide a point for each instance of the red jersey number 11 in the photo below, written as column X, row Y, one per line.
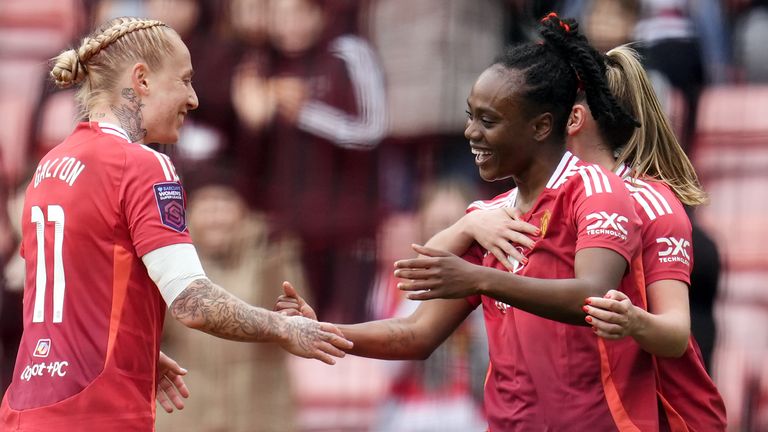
column 55, row 215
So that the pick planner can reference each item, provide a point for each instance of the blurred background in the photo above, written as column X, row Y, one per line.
column 330, row 137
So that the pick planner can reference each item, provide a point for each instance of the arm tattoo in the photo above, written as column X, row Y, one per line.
column 224, row 315
column 129, row 115
column 400, row 338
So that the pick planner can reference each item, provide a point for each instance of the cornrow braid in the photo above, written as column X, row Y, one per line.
column 589, row 65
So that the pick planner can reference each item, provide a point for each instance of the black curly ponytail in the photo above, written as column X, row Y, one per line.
column 557, row 68
column 615, row 122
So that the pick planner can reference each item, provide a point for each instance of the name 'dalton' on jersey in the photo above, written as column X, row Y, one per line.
column 66, row 169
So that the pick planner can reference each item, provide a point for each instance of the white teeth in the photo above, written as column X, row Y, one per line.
column 480, row 152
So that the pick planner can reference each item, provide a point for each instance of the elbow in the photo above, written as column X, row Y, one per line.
column 192, row 318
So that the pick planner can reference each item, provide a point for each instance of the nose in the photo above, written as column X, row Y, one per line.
column 470, row 131
column 192, row 101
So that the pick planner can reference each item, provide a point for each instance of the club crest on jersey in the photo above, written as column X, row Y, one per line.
column 43, row 348
column 170, row 204
column 544, row 224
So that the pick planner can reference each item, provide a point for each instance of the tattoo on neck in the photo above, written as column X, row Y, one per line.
column 129, row 115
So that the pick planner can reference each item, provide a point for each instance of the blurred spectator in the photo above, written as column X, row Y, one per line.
column 687, row 41
column 444, row 392
column 750, row 39
column 11, row 280
column 705, row 278
column 235, row 247
column 316, row 112
column 610, row 23
column 431, row 51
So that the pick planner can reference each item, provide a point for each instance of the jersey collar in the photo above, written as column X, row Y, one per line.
column 623, row 171
column 113, row 129
column 566, row 168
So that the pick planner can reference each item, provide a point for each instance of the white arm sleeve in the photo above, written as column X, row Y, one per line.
column 173, row 268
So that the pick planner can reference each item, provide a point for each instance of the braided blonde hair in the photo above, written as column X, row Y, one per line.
column 96, row 65
column 652, row 150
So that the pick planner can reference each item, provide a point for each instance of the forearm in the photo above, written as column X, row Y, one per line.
column 664, row 335
column 556, row 299
column 414, row 337
column 207, row 307
column 391, row 339
column 454, row 239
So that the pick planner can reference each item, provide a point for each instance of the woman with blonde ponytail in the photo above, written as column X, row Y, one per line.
column 661, row 179
column 107, row 250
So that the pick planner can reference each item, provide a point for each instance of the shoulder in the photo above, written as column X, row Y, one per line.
column 591, row 179
column 145, row 161
column 507, row 199
column 654, row 199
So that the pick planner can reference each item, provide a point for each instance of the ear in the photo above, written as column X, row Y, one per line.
column 139, row 78
column 576, row 119
column 542, row 126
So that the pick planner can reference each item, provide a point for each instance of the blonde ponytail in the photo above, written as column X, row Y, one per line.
column 653, row 150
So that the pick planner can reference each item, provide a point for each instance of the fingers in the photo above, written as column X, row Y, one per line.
column 289, row 290
column 616, row 295
column 514, row 213
column 417, row 273
column 164, row 402
column 428, row 251
column 334, row 336
column 179, row 385
column 424, row 295
column 502, row 257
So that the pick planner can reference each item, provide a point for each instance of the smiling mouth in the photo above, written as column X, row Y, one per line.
column 481, row 155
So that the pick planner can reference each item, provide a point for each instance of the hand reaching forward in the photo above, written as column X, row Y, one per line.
column 499, row 231
column 613, row 316
column 171, row 389
column 439, row 274
column 311, row 339
column 290, row 303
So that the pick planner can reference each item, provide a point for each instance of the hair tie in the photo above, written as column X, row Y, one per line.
column 563, row 25
column 80, row 62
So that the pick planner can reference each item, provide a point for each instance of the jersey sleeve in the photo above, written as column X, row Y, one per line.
column 604, row 213
column 153, row 201
column 667, row 251
column 474, row 255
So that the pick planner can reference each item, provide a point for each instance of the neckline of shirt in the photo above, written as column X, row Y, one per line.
column 113, row 129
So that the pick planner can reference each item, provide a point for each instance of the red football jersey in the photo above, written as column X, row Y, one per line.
column 92, row 316
column 547, row 375
column 689, row 397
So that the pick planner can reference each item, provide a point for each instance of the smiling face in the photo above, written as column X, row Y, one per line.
column 170, row 96
column 499, row 129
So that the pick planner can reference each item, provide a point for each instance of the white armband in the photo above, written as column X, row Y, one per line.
column 173, row 268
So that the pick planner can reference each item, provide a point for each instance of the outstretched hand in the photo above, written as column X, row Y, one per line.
column 290, row 303
column 311, row 339
column 612, row 316
column 171, row 389
column 439, row 274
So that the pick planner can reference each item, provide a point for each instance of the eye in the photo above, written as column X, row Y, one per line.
column 487, row 122
column 469, row 114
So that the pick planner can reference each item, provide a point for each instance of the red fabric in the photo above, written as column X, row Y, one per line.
column 691, row 400
column 546, row 375
column 107, row 342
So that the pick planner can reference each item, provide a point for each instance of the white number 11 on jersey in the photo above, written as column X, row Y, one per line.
column 55, row 215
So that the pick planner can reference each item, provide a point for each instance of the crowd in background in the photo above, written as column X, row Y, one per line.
column 329, row 138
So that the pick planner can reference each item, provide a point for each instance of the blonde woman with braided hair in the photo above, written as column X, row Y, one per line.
column 107, row 250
